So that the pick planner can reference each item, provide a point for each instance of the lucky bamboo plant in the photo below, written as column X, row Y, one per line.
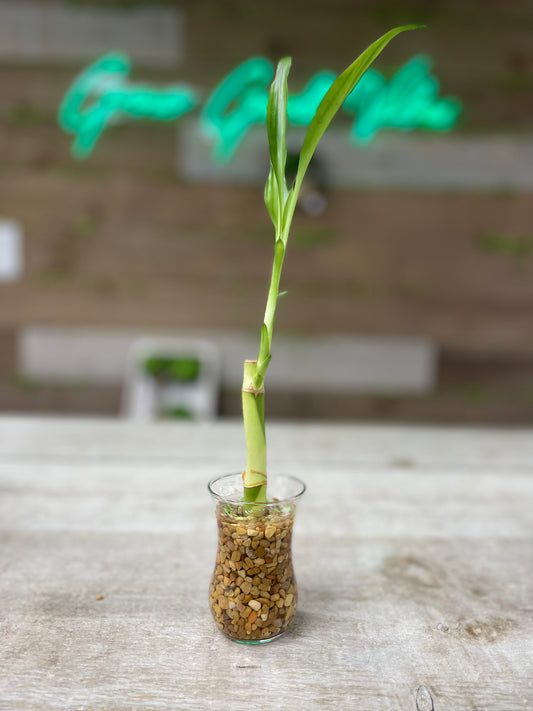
column 281, row 203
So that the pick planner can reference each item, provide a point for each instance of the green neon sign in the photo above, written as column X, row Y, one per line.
column 102, row 95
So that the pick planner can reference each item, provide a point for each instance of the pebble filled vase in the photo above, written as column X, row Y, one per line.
column 253, row 592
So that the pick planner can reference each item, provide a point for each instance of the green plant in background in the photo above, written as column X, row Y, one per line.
column 506, row 244
column 178, row 369
column 281, row 202
column 85, row 226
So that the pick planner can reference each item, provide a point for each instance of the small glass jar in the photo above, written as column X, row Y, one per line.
column 253, row 592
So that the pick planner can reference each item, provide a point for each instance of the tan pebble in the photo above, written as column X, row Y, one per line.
column 264, row 617
column 270, row 531
column 235, row 556
column 274, row 597
column 241, row 530
column 252, row 618
column 259, row 561
column 280, row 603
column 246, row 587
column 232, row 604
column 246, row 612
column 288, row 599
column 255, row 605
column 251, row 532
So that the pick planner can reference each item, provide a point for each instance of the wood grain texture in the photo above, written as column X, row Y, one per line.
column 413, row 551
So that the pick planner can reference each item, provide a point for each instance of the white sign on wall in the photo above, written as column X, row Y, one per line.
column 11, row 256
column 404, row 162
column 33, row 31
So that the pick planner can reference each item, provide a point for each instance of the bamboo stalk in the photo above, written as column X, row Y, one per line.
column 281, row 204
column 253, row 410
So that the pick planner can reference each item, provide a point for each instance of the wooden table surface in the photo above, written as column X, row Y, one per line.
column 413, row 553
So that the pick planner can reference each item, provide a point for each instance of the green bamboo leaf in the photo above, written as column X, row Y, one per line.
column 272, row 199
column 264, row 350
column 261, row 372
column 286, row 216
column 334, row 98
column 277, row 124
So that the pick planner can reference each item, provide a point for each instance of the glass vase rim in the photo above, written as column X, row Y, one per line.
column 298, row 483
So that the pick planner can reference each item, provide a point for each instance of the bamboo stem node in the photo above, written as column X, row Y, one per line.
column 255, row 392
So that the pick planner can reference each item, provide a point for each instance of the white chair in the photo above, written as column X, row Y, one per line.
column 171, row 378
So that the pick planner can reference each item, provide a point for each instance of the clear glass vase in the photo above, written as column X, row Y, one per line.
column 253, row 592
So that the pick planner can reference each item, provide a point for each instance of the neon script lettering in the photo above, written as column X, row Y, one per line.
column 101, row 95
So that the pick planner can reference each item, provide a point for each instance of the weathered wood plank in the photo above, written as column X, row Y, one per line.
column 415, row 578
